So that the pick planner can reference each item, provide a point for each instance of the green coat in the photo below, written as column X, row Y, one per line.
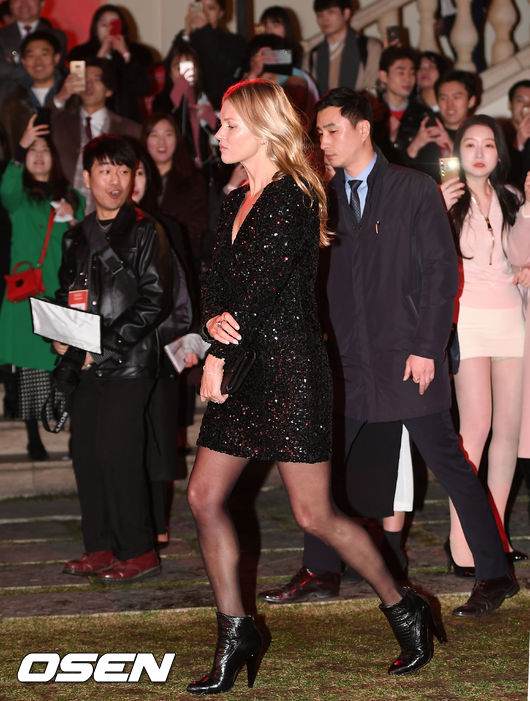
column 18, row 344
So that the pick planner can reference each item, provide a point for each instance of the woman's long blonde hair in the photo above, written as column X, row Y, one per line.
column 267, row 112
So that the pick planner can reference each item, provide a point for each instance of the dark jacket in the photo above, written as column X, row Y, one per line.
column 11, row 39
column 221, row 56
column 391, row 282
column 359, row 65
column 66, row 134
column 20, row 104
column 132, row 78
column 130, row 347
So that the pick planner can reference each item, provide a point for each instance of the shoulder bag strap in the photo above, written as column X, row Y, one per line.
column 47, row 239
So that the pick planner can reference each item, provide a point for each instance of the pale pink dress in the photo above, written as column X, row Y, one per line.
column 518, row 250
column 490, row 317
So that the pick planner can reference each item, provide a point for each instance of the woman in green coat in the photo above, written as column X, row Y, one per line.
column 31, row 185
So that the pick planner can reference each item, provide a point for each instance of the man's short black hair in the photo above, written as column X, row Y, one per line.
column 516, row 86
column 353, row 105
column 467, row 79
column 40, row 35
column 111, row 149
column 320, row 5
column 108, row 74
column 396, row 53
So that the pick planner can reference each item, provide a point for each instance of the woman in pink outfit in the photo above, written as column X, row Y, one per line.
column 518, row 251
column 485, row 214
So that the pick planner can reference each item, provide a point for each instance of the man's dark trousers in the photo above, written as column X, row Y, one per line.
column 108, row 444
column 438, row 443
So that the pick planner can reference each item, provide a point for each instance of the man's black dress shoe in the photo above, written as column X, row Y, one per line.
column 303, row 586
column 487, row 595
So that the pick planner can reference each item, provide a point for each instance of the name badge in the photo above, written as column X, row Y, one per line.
column 78, row 299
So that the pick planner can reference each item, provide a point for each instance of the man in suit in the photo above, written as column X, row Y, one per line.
column 394, row 261
column 344, row 57
column 73, row 128
column 27, row 19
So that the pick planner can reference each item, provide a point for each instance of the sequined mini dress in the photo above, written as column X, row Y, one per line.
column 266, row 280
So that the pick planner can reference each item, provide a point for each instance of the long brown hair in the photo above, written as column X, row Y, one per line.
column 267, row 112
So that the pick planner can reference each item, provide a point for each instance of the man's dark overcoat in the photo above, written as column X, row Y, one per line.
column 391, row 284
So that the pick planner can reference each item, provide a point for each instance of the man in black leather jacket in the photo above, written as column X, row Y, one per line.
column 109, row 403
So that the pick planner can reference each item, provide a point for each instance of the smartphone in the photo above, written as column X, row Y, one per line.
column 278, row 61
column 187, row 71
column 78, row 68
column 392, row 33
column 43, row 116
column 431, row 122
column 115, row 27
column 197, row 7
column 449, row 168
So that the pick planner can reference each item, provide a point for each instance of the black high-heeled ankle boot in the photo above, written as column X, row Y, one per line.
column 459, row 570
column 413, row 625
column 239, row 642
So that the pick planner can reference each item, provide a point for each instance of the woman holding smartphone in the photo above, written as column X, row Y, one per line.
column 485, row 215
column 109, row 39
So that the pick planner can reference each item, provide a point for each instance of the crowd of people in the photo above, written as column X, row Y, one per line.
column 117, row 186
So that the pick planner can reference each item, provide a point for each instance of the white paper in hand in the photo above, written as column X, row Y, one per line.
column 71, row 326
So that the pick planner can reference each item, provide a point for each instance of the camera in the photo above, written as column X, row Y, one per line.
column 67, row 373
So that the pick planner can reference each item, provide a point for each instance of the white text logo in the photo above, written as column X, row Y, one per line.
column 79, row 667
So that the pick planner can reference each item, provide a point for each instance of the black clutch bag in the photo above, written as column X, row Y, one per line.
column 235, row 373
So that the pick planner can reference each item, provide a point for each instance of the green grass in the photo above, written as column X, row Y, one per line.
column 332, row 651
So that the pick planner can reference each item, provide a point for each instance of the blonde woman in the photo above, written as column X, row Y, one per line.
column 259, row 296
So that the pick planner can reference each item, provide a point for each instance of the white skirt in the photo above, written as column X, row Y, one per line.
column 491, row 333
column 404, row 494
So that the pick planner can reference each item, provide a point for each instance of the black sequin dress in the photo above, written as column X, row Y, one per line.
column 266, row 279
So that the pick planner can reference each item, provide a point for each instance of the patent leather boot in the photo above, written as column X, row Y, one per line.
column 238, row 643
column 413, row 625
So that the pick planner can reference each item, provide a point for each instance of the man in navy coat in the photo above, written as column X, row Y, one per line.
column 391, row 284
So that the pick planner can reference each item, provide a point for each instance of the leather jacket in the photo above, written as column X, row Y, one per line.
column 129, row 321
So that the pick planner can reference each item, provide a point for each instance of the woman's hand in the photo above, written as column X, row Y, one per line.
column 105, row 48
column 118, row 43
column 212, row 376
column 32, row 132
column 65, row 209
column 223, row 328
column 452, row 190
column 522, row 277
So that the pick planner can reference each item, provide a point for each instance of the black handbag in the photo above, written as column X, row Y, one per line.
column 234, row 374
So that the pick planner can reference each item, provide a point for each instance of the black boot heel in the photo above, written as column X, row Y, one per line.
column 459, row 570
column 252, row 669
column 412, row 623
column 239, row 642
column 437, row 631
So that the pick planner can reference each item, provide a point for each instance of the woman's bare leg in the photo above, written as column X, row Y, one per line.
column 308, row 486
column 473, row 396
column 507, row 387
column 212, row 480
